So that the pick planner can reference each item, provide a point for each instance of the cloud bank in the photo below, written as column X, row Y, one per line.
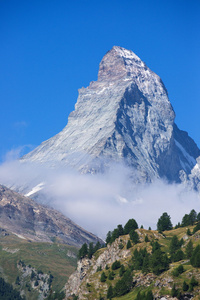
column 100, row 202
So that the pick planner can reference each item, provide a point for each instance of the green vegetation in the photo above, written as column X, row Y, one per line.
column 84, row 251
column 164, row 222
column 144, row 296
column 179, row 270
column 134, row 236
column 116, row 265
column 152, row 256
column 130, row 225
column 56, row 259
column 128, row 245
column 195, row 258
column 189, row 249
column 124, row 285
column 171, row 254
column 189, row 219
column 7, row 292
column 103, row 277
column 119, row 231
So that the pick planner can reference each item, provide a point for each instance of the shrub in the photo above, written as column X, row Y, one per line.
column 196, row 228
column 103, row 277
column 111, row 275
column 128, row 245
column 193, row 281
column 121, row 246
column 122, row 270
column 116, row 265
column 177, row 271
column 185, row 286
column 178, row 255
column 110, row 292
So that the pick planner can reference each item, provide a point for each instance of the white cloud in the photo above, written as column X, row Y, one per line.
column 17, row 152
column 100, row 202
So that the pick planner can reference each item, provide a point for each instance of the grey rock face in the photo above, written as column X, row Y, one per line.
column 125, row 116
column 30, row 220
column 193, row 180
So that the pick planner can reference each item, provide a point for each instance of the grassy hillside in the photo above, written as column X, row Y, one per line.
column 59, row 260
column 161, row 271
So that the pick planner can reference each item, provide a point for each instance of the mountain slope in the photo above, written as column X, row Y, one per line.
column 27, row 265
column 32, row 221
column 125, row 116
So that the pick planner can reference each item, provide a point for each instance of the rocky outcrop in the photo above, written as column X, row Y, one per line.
column 32, row 221
column 33, row 280
column 125, row 116
column 86, row 268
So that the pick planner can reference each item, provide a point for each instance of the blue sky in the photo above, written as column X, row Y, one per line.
column 50, row 49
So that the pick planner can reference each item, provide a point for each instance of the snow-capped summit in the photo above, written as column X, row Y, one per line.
column 125, row 116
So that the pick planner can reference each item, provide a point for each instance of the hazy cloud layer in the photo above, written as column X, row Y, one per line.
column 16, row 153
column 99, row 203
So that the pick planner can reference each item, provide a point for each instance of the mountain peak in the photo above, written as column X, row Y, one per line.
column 119, row 63
column 125, row 116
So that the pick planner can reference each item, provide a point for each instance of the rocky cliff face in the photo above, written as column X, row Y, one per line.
column 30, row 220
column 86, row 269
column 125, row 116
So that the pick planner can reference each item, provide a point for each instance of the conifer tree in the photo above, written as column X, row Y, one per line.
column 149, row 295
column 134, row 236
column 145, row 265
column 130, row 225
column 90, row 250
column 110, row 292
column 111, row 275
column 195, row 258
column 120, row 230
column 174, row 291
column 121, row 270
column 83, row 251
column 189, row 232
column 108, row 237
column 128, row 245
column 124, row 285
column 103, row 277
column 185, row 286
column 159, row 262
column 173, row 247
column 192, row 217
column 139, row 296
column 164, row 222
